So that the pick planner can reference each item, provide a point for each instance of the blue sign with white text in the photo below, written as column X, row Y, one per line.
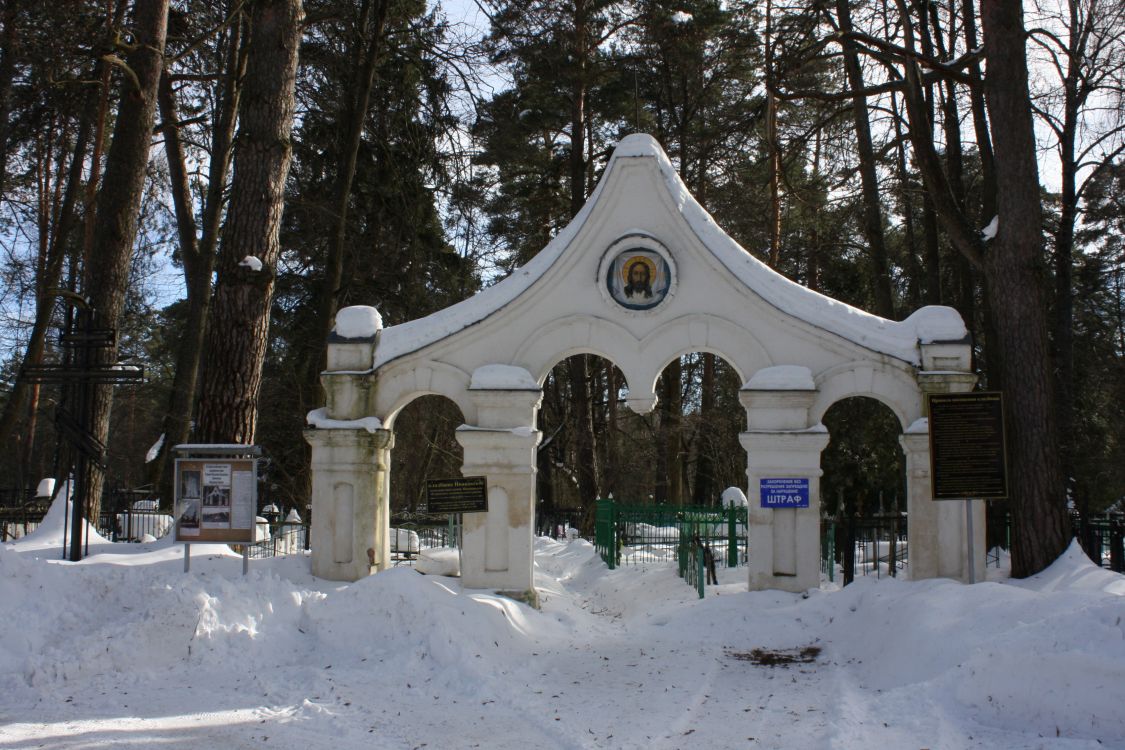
column 785, row 492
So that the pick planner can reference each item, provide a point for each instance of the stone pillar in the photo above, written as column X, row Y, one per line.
column 350, row 464
column 497, row 547
column 784, row 542
column 936, row 529
column 350, row 504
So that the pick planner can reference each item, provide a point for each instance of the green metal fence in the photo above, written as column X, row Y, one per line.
column 641, row 534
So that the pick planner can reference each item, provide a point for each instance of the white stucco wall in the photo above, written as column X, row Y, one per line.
column 719, row 300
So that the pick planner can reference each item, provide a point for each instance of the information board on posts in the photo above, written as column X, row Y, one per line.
column 216, row 500
column 968, row 457
column 467, row 495
column 784, row 492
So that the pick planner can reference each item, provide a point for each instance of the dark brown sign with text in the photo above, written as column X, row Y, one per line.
column 968, row 458
column 468, row 495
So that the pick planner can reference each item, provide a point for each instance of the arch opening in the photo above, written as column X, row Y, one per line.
column 425, row 448
column 863, row 488
column 584, row 404
column 697, row 423
column 684, row 452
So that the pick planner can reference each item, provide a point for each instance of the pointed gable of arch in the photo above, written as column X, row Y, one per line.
column 698, row 290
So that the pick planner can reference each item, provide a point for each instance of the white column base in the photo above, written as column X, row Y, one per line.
column 350, row 504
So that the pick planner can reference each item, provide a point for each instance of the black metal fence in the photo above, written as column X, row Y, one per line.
column 878, row 545
column 1102, row 538
column 869, row 545
column 285, row 538
column 410, row 534
column 17, row 521
column 132, row 515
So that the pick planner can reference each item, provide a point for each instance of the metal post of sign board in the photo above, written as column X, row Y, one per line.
column 187, row 557
column 969, row 539
column 245, row 559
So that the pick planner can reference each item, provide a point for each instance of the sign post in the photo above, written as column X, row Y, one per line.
column 968, row 453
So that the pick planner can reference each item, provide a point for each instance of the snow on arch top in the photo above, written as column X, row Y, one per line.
column 358, row 322
column 897, row 339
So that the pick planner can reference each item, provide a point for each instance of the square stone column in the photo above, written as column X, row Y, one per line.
column 784, row 542
column 497, row 547
column 350, row 502
column 936, row 529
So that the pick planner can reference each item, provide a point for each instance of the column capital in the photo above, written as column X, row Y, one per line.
column 506, row 409
column 947, row 356
column 498, row 451
column 344, row 437
column 808, row 442
column 348, row 395
column 776, row 410
column 915, row 440
column 931, row 381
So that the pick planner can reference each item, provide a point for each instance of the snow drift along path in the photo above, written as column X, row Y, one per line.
column 125, row 650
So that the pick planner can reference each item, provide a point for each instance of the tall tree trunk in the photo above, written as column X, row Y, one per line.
column 704, row 491
column 1014, row 282
column 669, row 479
column 238, row 334
column 1063, row 323
column 197, row 250
column 580, row 367
column 119, row 203
column 872, row 205
column 589, row 475
column 1014, row 272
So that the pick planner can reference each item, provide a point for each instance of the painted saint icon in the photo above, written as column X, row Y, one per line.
column 638, row 279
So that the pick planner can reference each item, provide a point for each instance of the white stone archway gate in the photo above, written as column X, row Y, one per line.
column 797, row 352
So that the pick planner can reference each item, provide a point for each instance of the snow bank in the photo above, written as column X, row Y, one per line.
column 439, row 561
column 56, row 526
column 125, row 646
column 1074, row 571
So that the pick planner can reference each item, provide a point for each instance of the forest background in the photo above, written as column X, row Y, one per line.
column 397, row 153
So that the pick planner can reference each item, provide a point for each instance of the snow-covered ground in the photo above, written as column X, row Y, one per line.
column 125, row 650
